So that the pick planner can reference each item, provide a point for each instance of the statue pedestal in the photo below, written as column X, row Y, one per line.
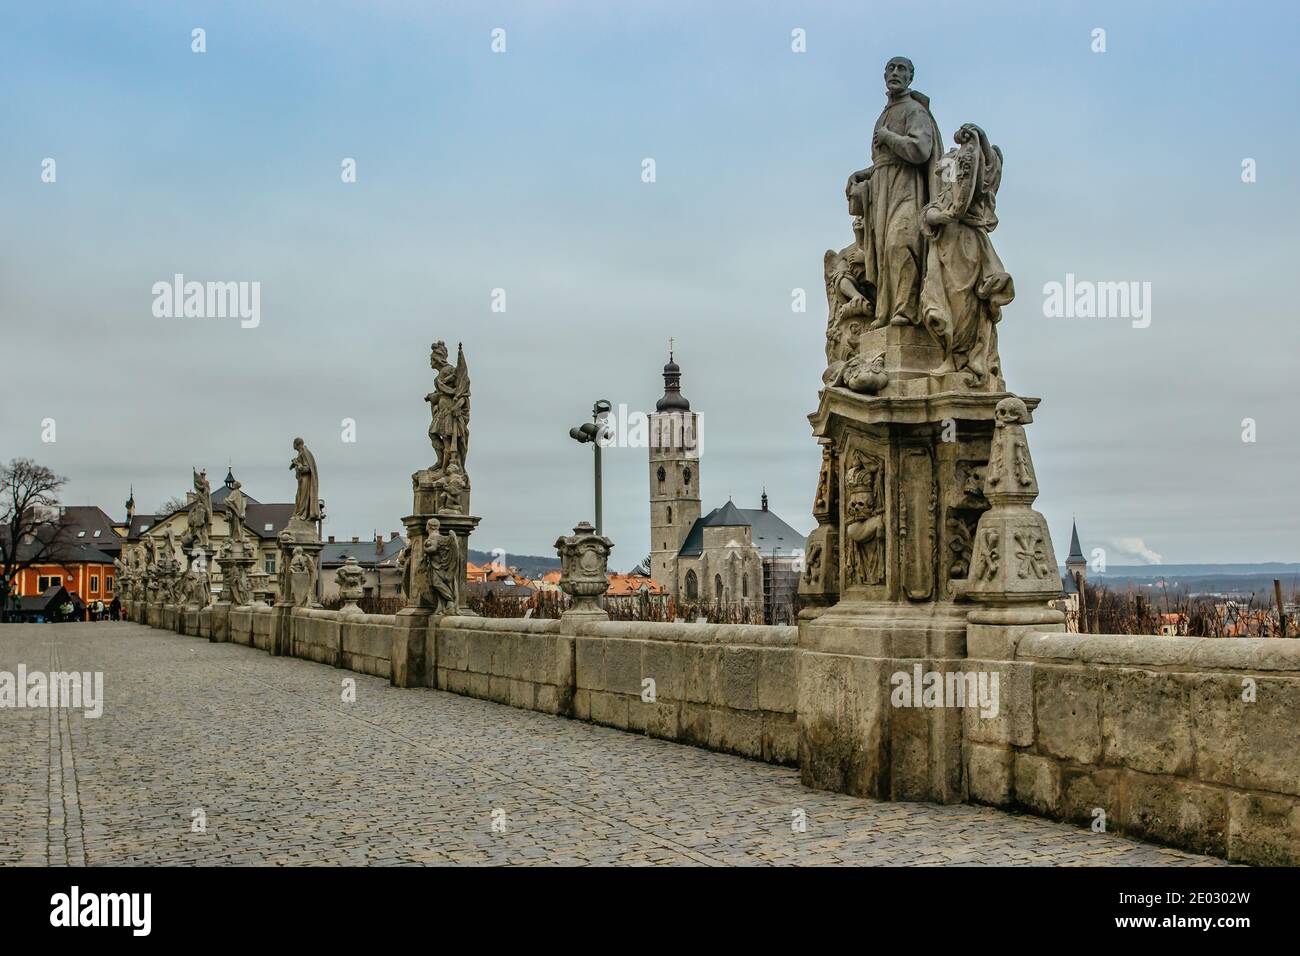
column 297, row 588
column 905, row 473
column 414, row 651
column 459, row 525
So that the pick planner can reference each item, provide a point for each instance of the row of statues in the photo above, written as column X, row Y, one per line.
column 921, row 254
column 432, row 563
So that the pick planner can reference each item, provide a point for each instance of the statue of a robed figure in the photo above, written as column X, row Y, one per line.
column 924, row 496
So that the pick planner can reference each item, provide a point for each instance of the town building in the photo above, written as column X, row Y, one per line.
column 377, row 558
column 263, row 521
column 743, row 561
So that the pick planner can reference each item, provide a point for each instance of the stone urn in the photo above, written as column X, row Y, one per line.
column 584, row 564
column 351, row 580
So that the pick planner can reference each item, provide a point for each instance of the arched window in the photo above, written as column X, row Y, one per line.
column 670, row 514
column 692, row 586
column 744, row 586
column 686, row 477
column 717, row 588
column 661, row 473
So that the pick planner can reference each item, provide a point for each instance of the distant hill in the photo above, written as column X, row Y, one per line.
column 531, row 565
column 1202, row 578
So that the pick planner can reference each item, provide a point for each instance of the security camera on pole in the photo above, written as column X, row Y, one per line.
column 597, row 432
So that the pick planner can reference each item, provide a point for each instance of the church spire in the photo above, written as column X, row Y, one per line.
column 673, row 399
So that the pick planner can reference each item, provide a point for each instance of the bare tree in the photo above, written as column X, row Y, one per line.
column 32, row 529
column 169, row 507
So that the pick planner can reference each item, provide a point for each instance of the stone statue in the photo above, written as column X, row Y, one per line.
column 237, row 511
column 404, row 569
column 890, row 194
column 449, row 407
column 199, row 518
column 858, row 373
column 239, row 590
column 441, row 560
column 306, row 504
column 848, row 298
column 451, row 488
column 965, row 284
column 302, row 578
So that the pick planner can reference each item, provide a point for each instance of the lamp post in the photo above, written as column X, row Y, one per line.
column 594, row 432
column 320, row 526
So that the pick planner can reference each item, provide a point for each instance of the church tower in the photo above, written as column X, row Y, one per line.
column 674, row 477
column 1076, row 567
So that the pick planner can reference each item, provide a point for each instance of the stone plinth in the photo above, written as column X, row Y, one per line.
column 299, row 558
column 901, row 502
column 416, row 585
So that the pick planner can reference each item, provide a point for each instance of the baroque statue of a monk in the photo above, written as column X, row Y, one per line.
column 889, row 196
column 306, row 504
column 449, row 407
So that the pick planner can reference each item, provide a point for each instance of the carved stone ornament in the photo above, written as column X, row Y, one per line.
column 584, row 567
column 351, row 580
column 1013, row 560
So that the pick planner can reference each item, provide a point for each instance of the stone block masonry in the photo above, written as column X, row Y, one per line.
column 1186, row 741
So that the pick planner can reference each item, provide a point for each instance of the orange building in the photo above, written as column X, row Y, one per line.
column 85, row 571
column 628, row 585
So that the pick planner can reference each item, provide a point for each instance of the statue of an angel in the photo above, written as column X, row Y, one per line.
column 449, row 407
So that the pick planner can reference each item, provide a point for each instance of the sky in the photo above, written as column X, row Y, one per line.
column 522, row 171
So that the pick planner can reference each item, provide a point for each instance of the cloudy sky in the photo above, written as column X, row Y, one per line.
column 522, row 171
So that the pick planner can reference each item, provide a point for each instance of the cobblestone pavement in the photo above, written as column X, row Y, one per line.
column 284, row 771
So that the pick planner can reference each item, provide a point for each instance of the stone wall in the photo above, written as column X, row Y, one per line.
column 727, row 687
column 724, row 687
column 1185, row 741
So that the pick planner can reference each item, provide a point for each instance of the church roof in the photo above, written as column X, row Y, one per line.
column 728, row 516
column 1076, row 552
column 770, row 534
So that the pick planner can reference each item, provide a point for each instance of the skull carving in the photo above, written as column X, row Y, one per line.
column 1011, row 411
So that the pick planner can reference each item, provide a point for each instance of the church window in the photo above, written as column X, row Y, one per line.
column 686, row 477
column 662, row 474
column 744, row 586
column 692, row 586
column 717, row 587
column 670, row 515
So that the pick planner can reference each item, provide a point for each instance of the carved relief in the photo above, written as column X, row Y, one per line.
column 864, row 518
column 968, row 489
column 987, row 558
column 961, row 541
column 1031, row 554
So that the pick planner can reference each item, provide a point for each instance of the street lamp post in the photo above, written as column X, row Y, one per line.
column 320, row 527
column 594, row 432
